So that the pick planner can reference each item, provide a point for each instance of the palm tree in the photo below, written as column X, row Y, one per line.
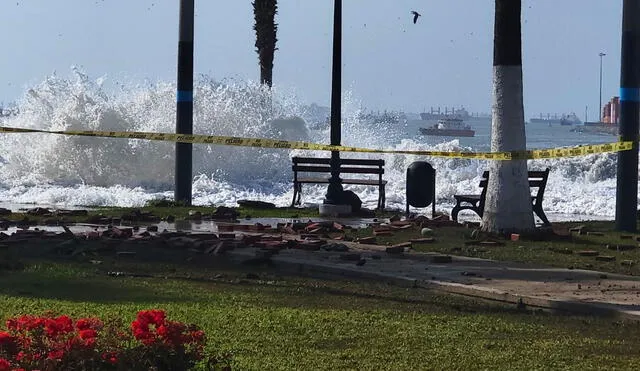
column 508, row 201
column 264, row 12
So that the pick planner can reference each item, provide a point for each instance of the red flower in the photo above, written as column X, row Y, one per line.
column 90, row 342
column 87, row 334
column 5, row 338
column 24, row 323
column 147, row 324
column 58, row 326
column 158, row 316
column 162, row 331
column 110, row 357
column 151, row 317
column 12, row 324
column 5, row 365
column 141, row 331
column 56, row 354
column 44, row 341
column 88, row 324
column 174, row 334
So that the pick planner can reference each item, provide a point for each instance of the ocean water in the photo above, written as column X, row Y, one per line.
column 66, row 171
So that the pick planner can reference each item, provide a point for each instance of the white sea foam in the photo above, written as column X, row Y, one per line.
column 64, row 170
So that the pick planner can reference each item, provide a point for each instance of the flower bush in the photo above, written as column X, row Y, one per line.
column 152, row 342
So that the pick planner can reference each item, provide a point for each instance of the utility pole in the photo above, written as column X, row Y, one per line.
column 586, row 113
column 184, row 104
column 600, row 106
column 334, row 194
column 627, row 179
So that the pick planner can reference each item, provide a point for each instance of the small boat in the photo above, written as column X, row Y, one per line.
column 449, row 127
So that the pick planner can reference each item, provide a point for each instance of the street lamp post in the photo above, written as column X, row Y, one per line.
column 627, row 175
column 184, row 103
column 600, row 106
column 334, row 194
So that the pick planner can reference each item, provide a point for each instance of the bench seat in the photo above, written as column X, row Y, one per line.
column 370, row 182
column 475, row 202
column 303, row 167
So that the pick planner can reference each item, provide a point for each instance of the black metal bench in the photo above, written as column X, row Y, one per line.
column 475, row 203
column 347, row 166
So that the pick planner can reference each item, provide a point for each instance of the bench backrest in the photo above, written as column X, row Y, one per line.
column 537, row 179
column 323, row 165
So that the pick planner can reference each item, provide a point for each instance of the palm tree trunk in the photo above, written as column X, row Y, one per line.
column 264, row 12
column 508, row 201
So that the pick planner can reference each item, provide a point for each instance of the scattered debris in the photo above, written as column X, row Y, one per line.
column 605, row 258
column 621, row 247
column 558, row 250
column 383, row 233
column 421, row 241
column 595, row 234
column 426, row 232
column 588, row 253
column 256, row 204
column 366, row 240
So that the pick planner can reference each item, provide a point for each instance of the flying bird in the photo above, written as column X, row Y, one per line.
column 415, row 16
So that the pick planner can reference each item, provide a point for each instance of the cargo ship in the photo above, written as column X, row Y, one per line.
column 449, row 127
column 460, row 113
column 382, row 118
column 564, row 120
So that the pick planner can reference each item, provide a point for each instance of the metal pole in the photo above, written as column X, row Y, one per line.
column 184, row 103
column 586, row 113
column 627, row 179
column 600, row 109
column 334, row 190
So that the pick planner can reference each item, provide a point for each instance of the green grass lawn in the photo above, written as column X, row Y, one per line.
column 286, row 323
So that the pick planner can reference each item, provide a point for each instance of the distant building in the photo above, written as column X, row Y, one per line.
column 611, row 111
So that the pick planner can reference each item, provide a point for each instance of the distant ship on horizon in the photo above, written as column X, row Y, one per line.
column 453, row 113
column 565, row 120
column 386, row 117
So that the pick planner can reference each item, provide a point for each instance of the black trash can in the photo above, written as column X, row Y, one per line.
column 421, row 186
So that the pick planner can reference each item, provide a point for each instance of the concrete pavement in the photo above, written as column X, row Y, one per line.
column 572, row 290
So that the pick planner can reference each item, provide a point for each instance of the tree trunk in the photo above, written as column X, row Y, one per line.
column 508, row 201
column 264, row 12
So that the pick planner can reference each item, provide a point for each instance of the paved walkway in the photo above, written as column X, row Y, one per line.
column 578, row 291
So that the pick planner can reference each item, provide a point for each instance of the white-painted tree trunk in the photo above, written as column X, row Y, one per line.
column 508, row 201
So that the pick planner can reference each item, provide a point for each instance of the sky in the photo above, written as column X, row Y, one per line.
column 388, row 62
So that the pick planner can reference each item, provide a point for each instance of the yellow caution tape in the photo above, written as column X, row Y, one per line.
column 273, row 143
